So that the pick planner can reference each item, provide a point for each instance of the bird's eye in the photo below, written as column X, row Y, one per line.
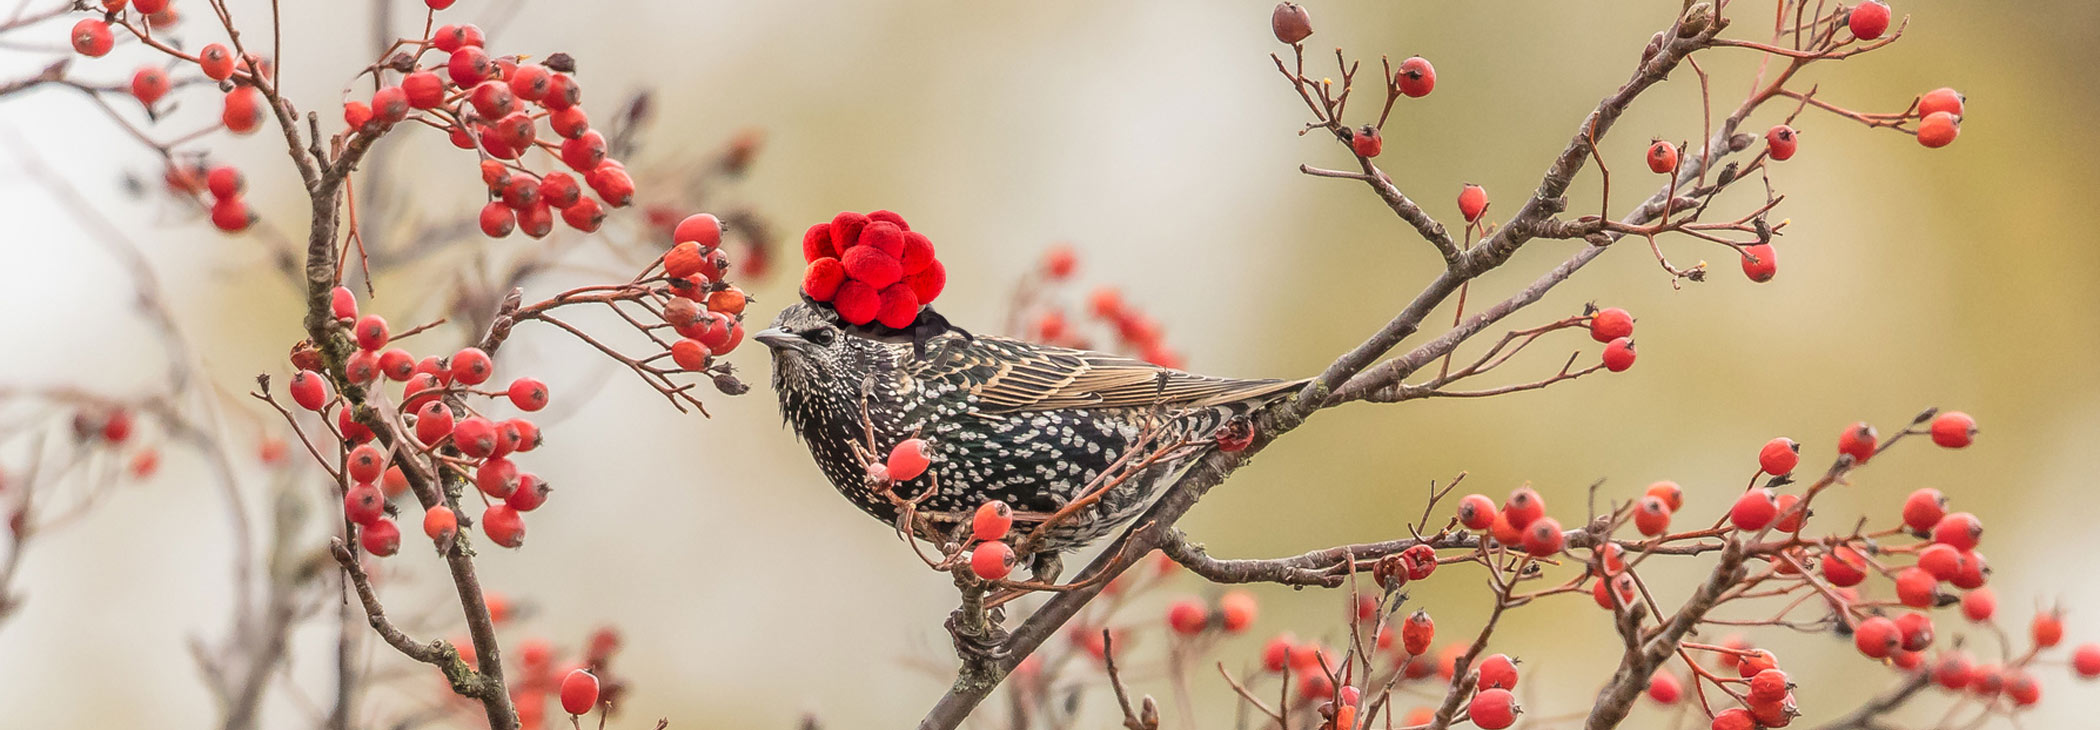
column 820, row 336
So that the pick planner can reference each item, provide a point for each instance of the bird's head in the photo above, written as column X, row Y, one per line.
column 811, row 354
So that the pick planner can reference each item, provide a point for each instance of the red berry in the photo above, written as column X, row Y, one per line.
column 1618, row 356
column 1651, row 516
column 1942, row 561
column 1859, row 441
column 1917, row 631
column 1662, row 157
column 1790, row 517
column 1960, row 530
column 1472, row 202
column 475, row 437
column 1610, row 323
column 382, row 537
column 1290, row 22
column 1757, row 660
column 684, row 259
column 468, row 66
column 1754, row 510
column 690, row 354
column 91, row 38
column 471, row 366
column 584, row 153
column 1734, row 718
column 1416, row 78
column 1476, row 512
column 242, row 112
column 1417, row 633
column 1059, row 262
column 612, row 184
column 371, row 331
column 216, row 61
column 1669, row 492
column 528, row 394
column 1277, row 653
column 149, row 84
column 1420, row 561
column 423, row 89
column 440, row 523
column 1493, row 709
column 390, row 104
column 1768, row 686
column 1844, row 567
column 365, row 463
column 992, row 521
column 570, row 123
column 1187, row 617
column 1665, row 688
column 363, row 503
column 497, row 219
column 1876, row 637
column 1543, row 537
column 585, row 215
column 992, row 560
column 530, row 81
column 496, row 477
column 1365, row 142
column 1782, row 141
column 562, row 93
column 1952, row 671
column 579, row 692
column 433, row 422
column 1524, row 506
column 1498, row 671
column 702, row 228
column 231, row 215
column 1923, row 509
column 1938, row 129
column 1941, row 100
column 503, row 525
column 1760, row 262
column 1779, row 456
column 908, row 459
column 1917, row 588
column 1869, row 20
column 1979, row 605
column 532, row 492
column 1971, row 576
column 1236, row 611
column 309, row 390
column 2047, row 629
column 2086, row 660
column 2022, row 688
column 1953, row 429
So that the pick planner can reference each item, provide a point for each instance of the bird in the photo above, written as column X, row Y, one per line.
column 1029, row 424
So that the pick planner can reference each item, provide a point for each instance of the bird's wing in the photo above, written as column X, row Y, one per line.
column 1008, row 375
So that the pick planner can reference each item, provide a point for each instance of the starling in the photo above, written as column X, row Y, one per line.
column 1029, row 424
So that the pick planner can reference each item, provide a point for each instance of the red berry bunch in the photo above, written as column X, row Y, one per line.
column 433, row 398
column 1135, row 330
column 1234, row 612
column 700, row 305
column 228, row 211
column 871, row 268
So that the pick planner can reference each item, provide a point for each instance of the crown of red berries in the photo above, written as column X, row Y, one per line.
column 871, row 268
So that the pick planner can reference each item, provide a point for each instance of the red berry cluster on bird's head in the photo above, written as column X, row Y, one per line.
column 871, row 268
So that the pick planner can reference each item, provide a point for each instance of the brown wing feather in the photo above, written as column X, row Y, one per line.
column 1007, row 375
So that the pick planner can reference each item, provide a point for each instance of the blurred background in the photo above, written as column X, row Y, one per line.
column 1158, row 140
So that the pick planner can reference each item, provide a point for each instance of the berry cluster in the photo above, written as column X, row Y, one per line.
column 433, row 400
column 706, row 311
column 871, row 268
column 541, row 672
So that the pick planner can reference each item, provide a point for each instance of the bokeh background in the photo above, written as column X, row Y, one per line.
column 1157, row 140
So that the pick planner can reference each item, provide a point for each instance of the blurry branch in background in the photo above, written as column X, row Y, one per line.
column 1652, row 633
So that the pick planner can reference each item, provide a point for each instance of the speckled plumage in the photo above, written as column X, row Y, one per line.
column 1005, row 419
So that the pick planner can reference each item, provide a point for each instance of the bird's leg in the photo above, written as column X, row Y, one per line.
column 980, row 639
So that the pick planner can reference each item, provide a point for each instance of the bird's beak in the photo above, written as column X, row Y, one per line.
column 780, row 339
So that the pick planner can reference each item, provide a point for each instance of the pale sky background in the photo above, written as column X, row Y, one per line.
column 1158, row 140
